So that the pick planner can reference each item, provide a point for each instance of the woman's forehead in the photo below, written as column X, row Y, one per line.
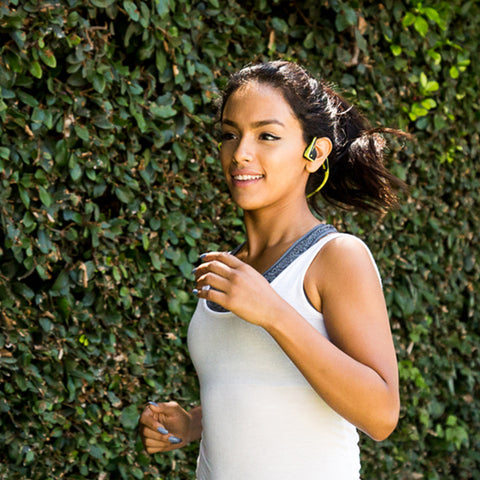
column 257, row 101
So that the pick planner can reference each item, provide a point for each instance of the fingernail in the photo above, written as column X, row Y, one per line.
column 153, row 403
column 162, row 430
column 194, row 270
column 206, row 288
column 195, row 291
column 173, row 439
column 203, row 255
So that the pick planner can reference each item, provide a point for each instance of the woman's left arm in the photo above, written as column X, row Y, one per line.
column 355, row 371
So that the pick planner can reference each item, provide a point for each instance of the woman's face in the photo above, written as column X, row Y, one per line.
column 262, row 148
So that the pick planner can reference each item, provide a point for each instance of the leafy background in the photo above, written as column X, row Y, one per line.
column 110, row 190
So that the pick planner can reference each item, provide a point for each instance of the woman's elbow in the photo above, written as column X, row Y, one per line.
column 385, row 425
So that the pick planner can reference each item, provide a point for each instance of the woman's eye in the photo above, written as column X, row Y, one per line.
column 227, row 136
column 268, row 136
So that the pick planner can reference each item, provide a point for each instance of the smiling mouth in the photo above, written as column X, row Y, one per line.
column 246, row 177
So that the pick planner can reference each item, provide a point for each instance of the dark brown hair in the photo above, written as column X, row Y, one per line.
column 358, row 177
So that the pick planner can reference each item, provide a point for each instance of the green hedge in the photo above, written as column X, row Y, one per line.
column 110, row 189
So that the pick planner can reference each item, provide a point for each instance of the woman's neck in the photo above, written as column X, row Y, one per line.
column 267, row 229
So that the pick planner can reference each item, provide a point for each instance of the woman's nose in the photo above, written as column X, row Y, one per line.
column 243, row 151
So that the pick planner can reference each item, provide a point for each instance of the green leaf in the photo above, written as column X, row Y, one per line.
column 279, row 24
column 432, row 86
column 27, row 99
column 24, row 196
column 4, row 152
column 361, row 42
column 408, row 19
column 437, row 58
column 61, row 282
column 162, row 111
column 45, row 196
column 75, row 172
column 129, row 417
column 156, row 262
column 433, row 15
column 162, row 7
column 99, row 83
column 46, row 324
column 417, row 111
column 36, row 69
column 160, row 60
column 187, row 102
column 454, row 73
column 132, row 10
column 44, row 243
column 102, row 3
column 309, row 41
column 396, row 50
column 82, row 132
column 124, row 194
column 429, row 103
column 48, row 58
column 421, row 26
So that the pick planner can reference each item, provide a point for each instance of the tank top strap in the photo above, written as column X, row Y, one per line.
column 298, row 248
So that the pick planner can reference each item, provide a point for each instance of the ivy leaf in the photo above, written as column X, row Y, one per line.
column 44, row 196
column 48, row 58
column 162, row 7
column 129, row 417
column 36, row 69
column 124, row 194
column 421, row 26
column 162, row 111
column 408, row 19
column 132, row 10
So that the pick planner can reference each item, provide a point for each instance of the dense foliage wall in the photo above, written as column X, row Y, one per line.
column 110, row 190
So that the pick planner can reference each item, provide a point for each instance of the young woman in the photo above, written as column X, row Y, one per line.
column 290, row 338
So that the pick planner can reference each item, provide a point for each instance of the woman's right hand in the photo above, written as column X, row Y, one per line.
column 165, row 427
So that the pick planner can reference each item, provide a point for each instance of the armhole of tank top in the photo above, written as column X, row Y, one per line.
column 324, row 241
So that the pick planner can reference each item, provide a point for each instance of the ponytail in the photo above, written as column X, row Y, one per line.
column 358, row 177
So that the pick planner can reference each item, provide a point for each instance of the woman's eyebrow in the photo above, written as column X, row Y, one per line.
column 260, row 123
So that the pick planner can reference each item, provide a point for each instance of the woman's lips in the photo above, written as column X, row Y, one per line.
column 243, row 180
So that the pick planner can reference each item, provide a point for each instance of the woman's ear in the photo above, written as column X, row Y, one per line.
column 323, row 147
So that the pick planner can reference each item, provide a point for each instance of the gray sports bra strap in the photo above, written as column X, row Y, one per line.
column 299, row 247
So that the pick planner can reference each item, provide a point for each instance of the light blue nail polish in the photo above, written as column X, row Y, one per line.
column 194, row 270
column 153, row 403
column 173, row 439
column 203, row 255
column 162, row 430
column 195, row 291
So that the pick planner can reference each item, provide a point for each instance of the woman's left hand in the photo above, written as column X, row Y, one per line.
column 226, row 280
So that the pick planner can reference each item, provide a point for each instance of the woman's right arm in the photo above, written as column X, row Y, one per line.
column 167, row 426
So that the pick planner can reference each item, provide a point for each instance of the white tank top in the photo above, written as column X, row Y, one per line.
column 261, row 419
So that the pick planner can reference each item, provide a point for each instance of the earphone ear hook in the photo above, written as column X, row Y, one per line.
column 310, row 154
column 325, row 178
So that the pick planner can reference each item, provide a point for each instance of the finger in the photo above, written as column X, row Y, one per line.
column 157, row 447
column 163, row 442
column 156, row 434
column 155, row 442
column 166, row 448
column 214, row 266
column 213, row 281
column 224, row 257
column 217, row 296
column 148, row 418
